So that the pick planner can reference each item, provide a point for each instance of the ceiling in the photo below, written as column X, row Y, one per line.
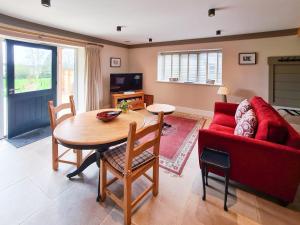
column 162, row 20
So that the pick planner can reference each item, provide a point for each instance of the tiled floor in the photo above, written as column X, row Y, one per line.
column 31, row 193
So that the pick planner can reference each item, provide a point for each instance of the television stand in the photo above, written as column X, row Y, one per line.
column 128, row 92
column 135, row 100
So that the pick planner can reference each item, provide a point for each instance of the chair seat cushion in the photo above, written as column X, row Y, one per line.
column 116, row 158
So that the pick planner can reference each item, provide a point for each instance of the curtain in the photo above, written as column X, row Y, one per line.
column 93, row 78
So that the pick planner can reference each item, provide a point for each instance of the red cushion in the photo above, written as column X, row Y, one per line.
column 220, row 128
column 270, row 124
column 224, row 120
column 293, row 138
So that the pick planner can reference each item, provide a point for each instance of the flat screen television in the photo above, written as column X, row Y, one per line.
column 120, row 82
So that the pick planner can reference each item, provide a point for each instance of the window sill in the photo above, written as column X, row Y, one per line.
column 188, row 83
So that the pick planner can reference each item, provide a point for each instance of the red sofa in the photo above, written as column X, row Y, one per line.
column 270, row 162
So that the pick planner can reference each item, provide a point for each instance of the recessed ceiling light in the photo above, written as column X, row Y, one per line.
column 46, row 3
column 211, row 12
column 218, row 32
column 150, row 40
column 119, row 28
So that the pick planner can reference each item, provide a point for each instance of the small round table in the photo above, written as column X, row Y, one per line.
column 165, row 108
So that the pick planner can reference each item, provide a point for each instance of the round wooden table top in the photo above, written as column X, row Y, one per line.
column 157, row 108
column 86, row 130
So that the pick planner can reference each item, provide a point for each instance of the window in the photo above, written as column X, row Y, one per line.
column 67, row 84
column 200, row 67
column 32, row 68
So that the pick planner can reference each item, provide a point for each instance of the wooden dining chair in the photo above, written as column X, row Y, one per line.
column 55, row 119
column 129, row 161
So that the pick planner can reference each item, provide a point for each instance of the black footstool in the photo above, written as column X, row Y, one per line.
column 217, row 159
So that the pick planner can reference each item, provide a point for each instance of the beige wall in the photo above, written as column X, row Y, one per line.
column 243, row 81
column 107, row 52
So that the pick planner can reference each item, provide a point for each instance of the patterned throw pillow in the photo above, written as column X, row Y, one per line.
column 247, row 125
column 243, row 107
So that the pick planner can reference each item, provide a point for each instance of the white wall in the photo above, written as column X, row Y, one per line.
column 109, row 51
column 244, row 81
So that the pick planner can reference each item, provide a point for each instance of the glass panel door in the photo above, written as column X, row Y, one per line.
column 31, row 83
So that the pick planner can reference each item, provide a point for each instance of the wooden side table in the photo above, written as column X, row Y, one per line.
column 157, row 108
column 217, row 159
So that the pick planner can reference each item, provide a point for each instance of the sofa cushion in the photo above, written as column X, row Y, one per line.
column 293, row 139
column 271, row 126
column 247, row 125
column 243, row 107
column 220, row 128
column 224, row 120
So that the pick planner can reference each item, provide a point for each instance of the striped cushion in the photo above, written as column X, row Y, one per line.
column 116, row 158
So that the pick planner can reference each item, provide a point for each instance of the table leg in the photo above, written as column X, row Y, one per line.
column 95, row 157
column 203, row 171
column 167, row 125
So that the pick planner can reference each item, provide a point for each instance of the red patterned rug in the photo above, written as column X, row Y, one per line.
column 177, row 142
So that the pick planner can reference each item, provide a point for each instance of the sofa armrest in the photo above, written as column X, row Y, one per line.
column 265, row 166
column 226, row 108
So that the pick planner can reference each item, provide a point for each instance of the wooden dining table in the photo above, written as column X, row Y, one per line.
column 84, row 132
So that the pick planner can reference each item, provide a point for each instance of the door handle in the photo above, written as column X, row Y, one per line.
column 11, row 91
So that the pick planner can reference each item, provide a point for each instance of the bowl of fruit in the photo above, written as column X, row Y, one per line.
column 108, row 115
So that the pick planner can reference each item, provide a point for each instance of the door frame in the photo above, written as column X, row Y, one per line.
column 10, row 75
column 1, row 92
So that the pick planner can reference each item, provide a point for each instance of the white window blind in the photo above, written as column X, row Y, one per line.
column 191, row 66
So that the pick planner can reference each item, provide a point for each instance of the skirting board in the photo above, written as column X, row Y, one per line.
column 193, row 111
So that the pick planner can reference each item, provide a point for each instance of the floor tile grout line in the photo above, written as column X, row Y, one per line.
column 14, row 183
column 35, row 211
column 106, row 217
column 257, row 210
column 38, row 186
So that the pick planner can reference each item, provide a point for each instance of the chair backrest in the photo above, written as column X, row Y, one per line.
column 54, row 111
column 135, row 148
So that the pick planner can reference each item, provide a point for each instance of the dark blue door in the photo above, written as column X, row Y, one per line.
column 31, row 83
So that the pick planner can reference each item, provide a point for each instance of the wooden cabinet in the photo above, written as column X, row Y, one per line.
column 135, row 100
column 149, row 99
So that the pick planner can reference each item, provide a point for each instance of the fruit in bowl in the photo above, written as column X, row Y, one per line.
column 108, row 115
